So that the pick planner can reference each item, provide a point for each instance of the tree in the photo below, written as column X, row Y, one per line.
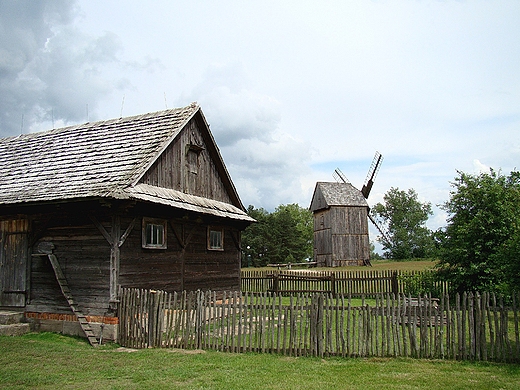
column 284, row 236
column 254, row 238
column 480, row 246
column 373, row 254
column 404, row 218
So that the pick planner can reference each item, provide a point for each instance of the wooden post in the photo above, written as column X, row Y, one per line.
column 395, row 283
column 114, row 257
column 116, row 240
column 276, row 282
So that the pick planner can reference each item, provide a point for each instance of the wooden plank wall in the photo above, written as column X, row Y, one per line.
column 341, row 236
column 83, row 254
column 464, row 327
column 172, row 170
column 13, row 262
column 150, row 268
column 176, row 268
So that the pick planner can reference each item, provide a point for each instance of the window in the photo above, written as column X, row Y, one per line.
column 193, row 161
column 192, row 156
column 215, row 239
column 154, row 233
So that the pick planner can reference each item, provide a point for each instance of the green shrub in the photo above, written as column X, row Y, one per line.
column 421, row 283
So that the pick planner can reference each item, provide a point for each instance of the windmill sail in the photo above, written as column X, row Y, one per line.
column 372, row 173
column 378, row 228
column 339, row 176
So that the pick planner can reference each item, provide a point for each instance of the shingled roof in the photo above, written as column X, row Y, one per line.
column 328, row 194
column 99, row 159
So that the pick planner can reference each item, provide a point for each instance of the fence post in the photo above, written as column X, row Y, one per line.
column 199, row 313
column 151, row 317
column 316, row 325
column 275, row 283
column 395, row 283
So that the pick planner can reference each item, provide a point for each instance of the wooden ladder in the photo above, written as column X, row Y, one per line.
column 60, row 277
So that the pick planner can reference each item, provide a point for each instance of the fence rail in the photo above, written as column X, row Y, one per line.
column 354, row 283
column 467, row 327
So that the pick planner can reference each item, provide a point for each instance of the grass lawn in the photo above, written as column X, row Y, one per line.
column 411, row 265
column 377, row 265
column 50, row 361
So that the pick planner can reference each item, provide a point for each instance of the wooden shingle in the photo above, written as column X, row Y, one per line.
column 102, row 159
column 328, row 194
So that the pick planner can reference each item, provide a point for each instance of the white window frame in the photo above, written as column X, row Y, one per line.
column 215, row 238
column 157, row 228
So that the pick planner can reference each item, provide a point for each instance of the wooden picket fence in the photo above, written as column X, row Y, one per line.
column 465, row 327
column 355, row 283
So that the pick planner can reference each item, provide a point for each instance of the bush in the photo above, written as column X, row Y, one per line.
column 426, row 282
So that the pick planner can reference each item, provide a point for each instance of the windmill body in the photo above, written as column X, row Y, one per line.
column 341, row 215
column 340, row 225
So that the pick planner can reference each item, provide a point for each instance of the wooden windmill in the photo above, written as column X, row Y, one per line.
column 341, row 214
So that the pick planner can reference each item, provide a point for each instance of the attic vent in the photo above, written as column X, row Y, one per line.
column 195, row 148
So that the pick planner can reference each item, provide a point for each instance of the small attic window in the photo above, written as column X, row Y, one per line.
column 154, row 233
column 192, row 156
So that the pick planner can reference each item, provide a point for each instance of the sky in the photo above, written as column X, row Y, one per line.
column 291, row 89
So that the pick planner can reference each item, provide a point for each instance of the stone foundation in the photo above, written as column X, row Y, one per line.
column 11, row 323
column 105, row 327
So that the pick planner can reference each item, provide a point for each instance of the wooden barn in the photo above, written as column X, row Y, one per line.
column 340, row 225
column 144, row 201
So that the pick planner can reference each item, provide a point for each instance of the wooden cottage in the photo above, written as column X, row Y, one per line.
column 340, row 225
column 144, row 201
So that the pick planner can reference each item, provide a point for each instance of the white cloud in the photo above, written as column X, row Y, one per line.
column 50, row 71
column 479, row 167
column 262, row 159
column 291, row 89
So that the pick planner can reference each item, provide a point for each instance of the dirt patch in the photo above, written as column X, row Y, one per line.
column 187, row 351
column 124, row 349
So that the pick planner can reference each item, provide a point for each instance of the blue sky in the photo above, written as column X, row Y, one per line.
column 291, row 89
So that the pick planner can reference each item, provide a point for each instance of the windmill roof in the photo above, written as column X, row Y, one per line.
column 98, row 159
column 327, row 194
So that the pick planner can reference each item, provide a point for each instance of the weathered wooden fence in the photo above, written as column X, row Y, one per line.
column 355, row 283
column 468, row 327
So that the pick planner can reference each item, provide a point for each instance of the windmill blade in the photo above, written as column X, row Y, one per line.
column 371, row 175
column 339, row 176
column 378, row 228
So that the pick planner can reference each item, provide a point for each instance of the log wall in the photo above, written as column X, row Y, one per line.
column 186, row 264
column 83, row 254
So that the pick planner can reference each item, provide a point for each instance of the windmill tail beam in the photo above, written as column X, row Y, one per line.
column 367, row 188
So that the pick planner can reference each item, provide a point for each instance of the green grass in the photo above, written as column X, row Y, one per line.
column 50, row 361
column 412, row 265
column 404, row 265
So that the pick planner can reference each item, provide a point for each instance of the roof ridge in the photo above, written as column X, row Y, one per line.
column 188, row 111
column 93, row 159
